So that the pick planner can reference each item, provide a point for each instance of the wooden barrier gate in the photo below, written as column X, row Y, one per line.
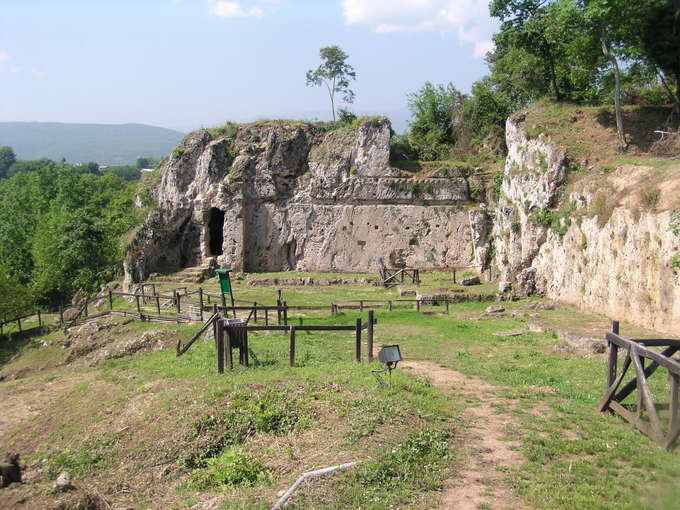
column 637, row 352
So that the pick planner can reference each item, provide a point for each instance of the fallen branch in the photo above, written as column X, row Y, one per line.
column 305, row 476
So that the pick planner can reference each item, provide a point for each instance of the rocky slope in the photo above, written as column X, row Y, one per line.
column 602, row 240
column 283, row 196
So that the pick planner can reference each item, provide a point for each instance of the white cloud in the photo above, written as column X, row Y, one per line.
column 226, row 9
column 469, row 19
column 4, row 56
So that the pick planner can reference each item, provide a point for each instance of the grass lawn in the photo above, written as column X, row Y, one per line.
column 156, row 431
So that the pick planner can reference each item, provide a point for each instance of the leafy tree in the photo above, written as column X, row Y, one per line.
column 346, row 117
column 61, row 229
column 7, row 159
column 127, row 172
column 148, row 162
column 434, row 110
column 550, row 42
column 661, row 42
column 14, row 297
column 335, row 73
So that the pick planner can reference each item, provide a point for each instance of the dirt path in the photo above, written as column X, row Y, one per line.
column 478, row 484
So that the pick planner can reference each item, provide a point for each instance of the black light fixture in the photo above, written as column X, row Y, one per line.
column 390, row 355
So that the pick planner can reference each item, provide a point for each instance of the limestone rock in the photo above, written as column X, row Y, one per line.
column 473, row 280
column 63, row 482
column 495, row 309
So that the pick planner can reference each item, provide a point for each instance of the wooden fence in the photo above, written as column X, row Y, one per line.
column 235, row 336
column 636, row 352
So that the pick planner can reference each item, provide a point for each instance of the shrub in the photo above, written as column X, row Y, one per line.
column 675, row 223
column 178, row 152
column 401, row 150
column 650, row 197
column 229, row 129
column 497, row 182
column 414, row 188
column 234, row 466
column 675, row 261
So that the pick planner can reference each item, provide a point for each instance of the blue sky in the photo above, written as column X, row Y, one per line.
column 189, row 63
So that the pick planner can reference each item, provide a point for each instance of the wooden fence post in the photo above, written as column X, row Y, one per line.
column 266, row 316
column 39, row 320
column 227, row 346
column 178, row 302
column 357, row 354
column 19, row 324
column 200, row 301
column 86, row 300
column 292, row 346
column 158, row 304
column 139, row 309
column 110, row 299
column 61, row 314
column 285, row 313
column 613, row 356
column 389, row 305
column 219, row 344
column 369, row 336
column 447, row 305
column 418, row 305
column 361, row 305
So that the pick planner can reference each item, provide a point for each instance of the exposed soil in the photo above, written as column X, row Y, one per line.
column 485, row 451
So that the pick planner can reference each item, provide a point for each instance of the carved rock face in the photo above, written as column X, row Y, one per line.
column 290, row 197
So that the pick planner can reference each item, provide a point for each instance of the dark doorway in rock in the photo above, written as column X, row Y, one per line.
column 216, row 231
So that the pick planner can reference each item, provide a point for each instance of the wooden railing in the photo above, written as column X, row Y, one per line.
column 636, row 352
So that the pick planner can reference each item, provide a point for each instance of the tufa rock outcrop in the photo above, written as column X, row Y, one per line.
column 283, row 196
column 603, row 249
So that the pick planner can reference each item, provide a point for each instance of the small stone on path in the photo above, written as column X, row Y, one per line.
column 495, row 309
column 63, row 482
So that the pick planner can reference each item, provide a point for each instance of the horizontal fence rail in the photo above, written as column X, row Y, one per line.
column 636, row 352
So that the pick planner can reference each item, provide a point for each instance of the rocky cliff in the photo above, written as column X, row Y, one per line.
column 280, row 196
column 603, row 239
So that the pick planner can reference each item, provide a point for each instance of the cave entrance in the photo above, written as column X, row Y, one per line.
column 216, row 231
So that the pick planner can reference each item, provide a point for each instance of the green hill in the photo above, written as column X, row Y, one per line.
column 116, row 144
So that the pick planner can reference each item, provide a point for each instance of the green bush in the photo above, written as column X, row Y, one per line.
column 228, row 129
column 650, row 197
column 675, row 261
column 178, row 152
column 234, row 466
column 675, row 223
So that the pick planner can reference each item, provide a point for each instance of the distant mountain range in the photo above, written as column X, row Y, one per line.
column 112, row 144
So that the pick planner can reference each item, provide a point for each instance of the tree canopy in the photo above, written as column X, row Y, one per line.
column 334, row 73
column 61, row 230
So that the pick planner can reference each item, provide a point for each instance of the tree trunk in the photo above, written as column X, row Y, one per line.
column 617, row 92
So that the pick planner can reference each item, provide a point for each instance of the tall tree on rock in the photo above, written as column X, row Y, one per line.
column 335, row 73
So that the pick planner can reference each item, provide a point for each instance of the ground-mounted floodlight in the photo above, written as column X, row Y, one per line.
column 390, row 355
